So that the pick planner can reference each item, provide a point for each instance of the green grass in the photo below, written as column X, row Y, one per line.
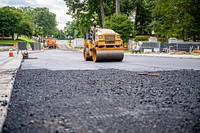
column 127, row 51
column 26, row 39
column 11, row 42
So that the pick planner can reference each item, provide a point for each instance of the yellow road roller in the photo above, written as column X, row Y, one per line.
column 103, row 45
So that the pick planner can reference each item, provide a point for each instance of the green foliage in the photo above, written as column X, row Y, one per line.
column 143, row 19
column 84, row 14
column 160, row 39
column 71, row 30
column 26, row 39
column 45, row 21
column 2, row 42
column 87, row 11
column 141, row 38
column 25, row 28
column 11, row 42
column 121, row 24
column 178, row 18
column 61, row 35
column 27, row 21
column 127, row 6
column 10, row 19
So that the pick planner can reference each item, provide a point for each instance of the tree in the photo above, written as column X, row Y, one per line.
column 178, row 18
column 88, row 10
column 143, row 16
column 102, row 12
column 27, row 25
column 117, row 6
column 25, row 28
column 121, row 24
column 75, row 7
column 193, row 28
column 71, row 29
column 28, row 21
column 84, row 13
column 127, row 7
column 10, row 19
column 45, row 21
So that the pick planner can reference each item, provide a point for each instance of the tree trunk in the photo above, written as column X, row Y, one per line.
column 12, row 36
column 117, row 6
column 136, row 16
column 2, row 36
column 102, row 12
column 183, row 34
column 194, row 38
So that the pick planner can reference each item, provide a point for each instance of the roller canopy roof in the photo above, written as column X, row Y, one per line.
column 105, row 31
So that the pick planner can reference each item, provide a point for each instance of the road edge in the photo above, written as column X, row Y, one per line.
column 9, row 85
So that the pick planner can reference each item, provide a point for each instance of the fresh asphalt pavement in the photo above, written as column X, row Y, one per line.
column 73, row 60
column 57, row 91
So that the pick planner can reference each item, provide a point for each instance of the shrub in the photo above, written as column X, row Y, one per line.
column 141, row 38
column 162, row 39
column 120, row 24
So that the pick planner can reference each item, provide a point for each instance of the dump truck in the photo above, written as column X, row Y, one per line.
column 51, row 43
column 104, row 45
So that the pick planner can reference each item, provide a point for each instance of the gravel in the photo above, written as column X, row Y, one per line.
column 98, row 101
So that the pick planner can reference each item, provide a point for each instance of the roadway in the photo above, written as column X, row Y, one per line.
column 66, row 59
column 57, row 91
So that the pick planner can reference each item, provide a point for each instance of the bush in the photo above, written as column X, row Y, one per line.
column 141, row 38
column 162, row 39
column 120, row 24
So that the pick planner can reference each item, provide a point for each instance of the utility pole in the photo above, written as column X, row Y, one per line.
column 117, row 6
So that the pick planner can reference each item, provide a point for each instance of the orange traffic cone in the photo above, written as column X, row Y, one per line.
column 11, row 53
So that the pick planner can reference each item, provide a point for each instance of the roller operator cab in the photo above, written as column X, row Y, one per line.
column 104, row 45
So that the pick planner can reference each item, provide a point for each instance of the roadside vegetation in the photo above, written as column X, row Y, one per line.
column 10, row 42
column 26, row 21
column 167, row 18
column 135, row 18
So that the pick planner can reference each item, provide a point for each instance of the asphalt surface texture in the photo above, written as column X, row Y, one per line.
column 58, row 92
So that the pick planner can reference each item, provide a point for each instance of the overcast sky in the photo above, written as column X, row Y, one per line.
column 56, row 6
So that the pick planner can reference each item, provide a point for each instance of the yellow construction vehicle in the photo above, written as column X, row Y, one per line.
column 104, row 45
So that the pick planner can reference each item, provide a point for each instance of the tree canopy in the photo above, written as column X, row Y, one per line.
column 27, row 21
column 121, row 24
column 10, row 19
column 180, row 18
column 45, row 21
column 167, row 18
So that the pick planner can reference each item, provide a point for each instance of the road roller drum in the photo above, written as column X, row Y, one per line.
column 108, row 55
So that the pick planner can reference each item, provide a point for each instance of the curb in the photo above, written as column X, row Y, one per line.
column 154, row 55
column 166, row 56
column 6, row 84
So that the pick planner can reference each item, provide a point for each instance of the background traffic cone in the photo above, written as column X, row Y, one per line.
column 11, row 53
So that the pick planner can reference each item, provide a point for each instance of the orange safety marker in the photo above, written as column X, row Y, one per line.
column 11, row 54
